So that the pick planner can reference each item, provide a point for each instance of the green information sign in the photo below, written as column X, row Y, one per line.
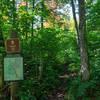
column 13, row 68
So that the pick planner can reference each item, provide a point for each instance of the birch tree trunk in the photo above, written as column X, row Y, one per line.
column 83, row 41
column 81, row 38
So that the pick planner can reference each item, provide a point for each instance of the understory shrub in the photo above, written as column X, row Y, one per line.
column 84, row 90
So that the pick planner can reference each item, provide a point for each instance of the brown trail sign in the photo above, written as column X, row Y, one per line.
column 12, row 45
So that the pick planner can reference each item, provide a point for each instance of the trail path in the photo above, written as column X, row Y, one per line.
column 60, row 92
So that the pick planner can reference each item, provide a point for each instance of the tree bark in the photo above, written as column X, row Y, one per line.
column 14, row 15
column 1, row 38
column 32, row 19
column 41, row 59
column 76, row 23
column 81, row 38
column 1, row 46
column 26, row 35
column 42, row 14
column 83, row 41
column 1, row 21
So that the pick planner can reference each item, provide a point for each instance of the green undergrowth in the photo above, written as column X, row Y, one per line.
column 84, row 90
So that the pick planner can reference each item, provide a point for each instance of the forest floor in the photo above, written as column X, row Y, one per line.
column 60, row 92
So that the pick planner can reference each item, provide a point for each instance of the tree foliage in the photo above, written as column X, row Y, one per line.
column 48, row 50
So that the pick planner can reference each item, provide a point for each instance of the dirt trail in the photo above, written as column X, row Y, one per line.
column 60, row 91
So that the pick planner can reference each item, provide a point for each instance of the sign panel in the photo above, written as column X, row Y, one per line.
column 13, row 68
column 12, row 45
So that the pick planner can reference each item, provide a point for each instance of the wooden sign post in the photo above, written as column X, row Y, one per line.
column 13, row 64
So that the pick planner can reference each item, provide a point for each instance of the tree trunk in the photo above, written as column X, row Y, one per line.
column 14, row 16
column 1, row 39
column 42, row 14
column 32, row 19
column 81, row 38
column 76, row 23
column 1, row 24
column 32, row 27
column 83, row 42
column 41, row 59
column 41, row 68
column 1, row 46
column 26, row 28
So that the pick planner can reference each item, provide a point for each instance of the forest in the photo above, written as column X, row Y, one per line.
column 58, row 56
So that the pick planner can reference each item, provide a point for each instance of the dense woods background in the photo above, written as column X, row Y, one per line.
column 60, row 49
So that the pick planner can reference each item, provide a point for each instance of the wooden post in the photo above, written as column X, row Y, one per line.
column 13, row 85
column 13, row 90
